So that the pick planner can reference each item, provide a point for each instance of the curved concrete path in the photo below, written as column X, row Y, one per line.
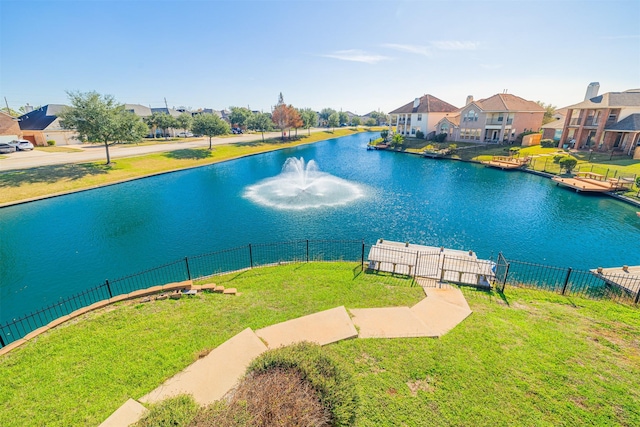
column 211, row 377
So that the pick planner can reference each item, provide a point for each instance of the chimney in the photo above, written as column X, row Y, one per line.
column 416, row 102
column 469, row 100
column 28, row 108
column 592, row 91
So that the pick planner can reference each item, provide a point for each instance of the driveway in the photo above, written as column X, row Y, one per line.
column 96, row 152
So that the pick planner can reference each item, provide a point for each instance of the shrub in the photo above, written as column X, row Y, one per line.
column 333, row 383
column 548, row 143
column 51, row 142
column 176, row 411
column 568, row 163
column 441, row 137
column 419, row 134
column 453, row 148
column 557, row 158
column 384, row 134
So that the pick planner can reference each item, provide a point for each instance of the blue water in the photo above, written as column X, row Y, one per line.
column 57, row 247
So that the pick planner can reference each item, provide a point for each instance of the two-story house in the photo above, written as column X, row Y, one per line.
column 606, row 122
column 499, row 118
column 422, row 114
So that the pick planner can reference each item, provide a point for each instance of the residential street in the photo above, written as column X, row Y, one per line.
column 96, row 152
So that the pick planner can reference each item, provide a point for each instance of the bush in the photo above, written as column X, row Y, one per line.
column 419, row 134
column 333, row 383
column 441, row 137
column 51, row 142
column 567, row 163
column 384, row 134
column 176, row 411
column 548, row 143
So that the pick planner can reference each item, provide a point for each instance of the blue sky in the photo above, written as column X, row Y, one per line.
column 349, row 55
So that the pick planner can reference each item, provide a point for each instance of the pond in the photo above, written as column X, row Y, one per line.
column 60, row 246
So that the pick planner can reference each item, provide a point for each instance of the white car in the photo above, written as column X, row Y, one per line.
column 185, row 135
column 21, row 144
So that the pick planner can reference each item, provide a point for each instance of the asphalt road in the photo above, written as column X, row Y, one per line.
column 96, row 152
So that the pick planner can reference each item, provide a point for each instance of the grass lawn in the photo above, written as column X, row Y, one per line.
column 56, row 179
column 54, row 149
column 530, row 358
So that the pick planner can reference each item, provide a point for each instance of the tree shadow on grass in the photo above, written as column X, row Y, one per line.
column 189, row 154
column 51, row 174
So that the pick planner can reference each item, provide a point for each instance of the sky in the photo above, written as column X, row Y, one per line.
column 353, row 55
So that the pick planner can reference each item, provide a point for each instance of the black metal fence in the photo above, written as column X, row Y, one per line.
column 196, row 267
column 621, row 287
column 457, row 269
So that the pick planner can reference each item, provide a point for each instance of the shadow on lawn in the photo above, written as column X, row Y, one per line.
column 51, row 174
column 189, row 154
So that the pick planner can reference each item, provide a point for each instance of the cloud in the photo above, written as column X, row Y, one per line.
column 356, row 55
column 455, row 45
column 420, row 50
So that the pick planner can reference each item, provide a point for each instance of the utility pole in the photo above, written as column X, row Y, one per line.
column 5, row 101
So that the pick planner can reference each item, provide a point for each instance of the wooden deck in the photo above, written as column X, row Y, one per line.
column 504, row 162
column 628, row 280
column 445, row 265
column 594, row 182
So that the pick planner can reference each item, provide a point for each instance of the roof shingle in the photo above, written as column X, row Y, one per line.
column 428, row 104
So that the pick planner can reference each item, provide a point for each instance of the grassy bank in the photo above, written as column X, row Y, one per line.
column 56, row 179
column 530, row 358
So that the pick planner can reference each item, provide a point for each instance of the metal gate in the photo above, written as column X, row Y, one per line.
column 502, row 270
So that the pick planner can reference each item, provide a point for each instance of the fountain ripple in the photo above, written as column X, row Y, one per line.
column 302, row 186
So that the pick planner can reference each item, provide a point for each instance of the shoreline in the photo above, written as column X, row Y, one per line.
column 153, row 174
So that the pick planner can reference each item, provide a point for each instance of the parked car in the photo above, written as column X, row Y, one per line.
column 21, row 144
column 236, row 131
column 6, row 148
column 185, row 135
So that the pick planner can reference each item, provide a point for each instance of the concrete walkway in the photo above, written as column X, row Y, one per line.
column 211, row 377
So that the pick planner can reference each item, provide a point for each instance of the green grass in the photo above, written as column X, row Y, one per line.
column 530, row 358
column 54, row 149
column 25, row 184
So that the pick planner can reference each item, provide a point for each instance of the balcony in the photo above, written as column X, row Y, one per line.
column 575, row 122
column 499, row 122
column 591, row 122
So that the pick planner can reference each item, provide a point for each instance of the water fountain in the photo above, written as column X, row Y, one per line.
column 301, row 186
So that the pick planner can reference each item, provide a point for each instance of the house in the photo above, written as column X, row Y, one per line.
column 420, row 115
column 138, row 110
column 9, row 128
column 42, row 125
column 603, row 122
column 553, row 129
column 497, row 119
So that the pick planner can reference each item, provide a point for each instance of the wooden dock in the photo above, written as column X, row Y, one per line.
column 505, row 162
column 445, row 265
column 594, row 182
column 626, row 278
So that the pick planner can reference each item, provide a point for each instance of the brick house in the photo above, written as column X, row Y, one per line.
column 497, row 119
column 9, row 128
column 606, row 122
column 421, row 114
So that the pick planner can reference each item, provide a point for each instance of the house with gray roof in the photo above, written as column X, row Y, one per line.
column 607, row 122
column 422, row 114
column 42, row 125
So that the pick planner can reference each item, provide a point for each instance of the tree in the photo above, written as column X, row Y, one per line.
column 279, row 115
column 333, row 121
column 370, row 122
column 166, row 121
column 549, row 111
column 210, row 125
column 10, row 111
column 384, row 134
column 260, row 122
column 397, row 140
column 295, row 119
column 325, row 113
column 343, row 118
column 309, row 119
column 100, row 119
column 379, row 117
column 355, row 121
column 568, row 163
column 152, row 122
column 239, row 116
column 184, row 121
column 130, row 128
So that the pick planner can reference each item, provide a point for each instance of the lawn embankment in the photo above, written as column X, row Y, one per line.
column 530, row 358
column 28, row 184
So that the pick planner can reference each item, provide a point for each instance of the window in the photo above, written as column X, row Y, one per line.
column 471, row 116
column 419, row 117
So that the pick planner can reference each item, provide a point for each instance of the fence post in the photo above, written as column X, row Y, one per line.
column 186, row 262
column 566, row 281
column 2, row 344
column 415, row 268
column 506, row 273
column 307, row 250
column 106, row 282
column 362, row 255
column 637, row 297
column 250, row 256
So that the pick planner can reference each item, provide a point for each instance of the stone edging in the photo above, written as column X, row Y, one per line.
column 187, row 284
